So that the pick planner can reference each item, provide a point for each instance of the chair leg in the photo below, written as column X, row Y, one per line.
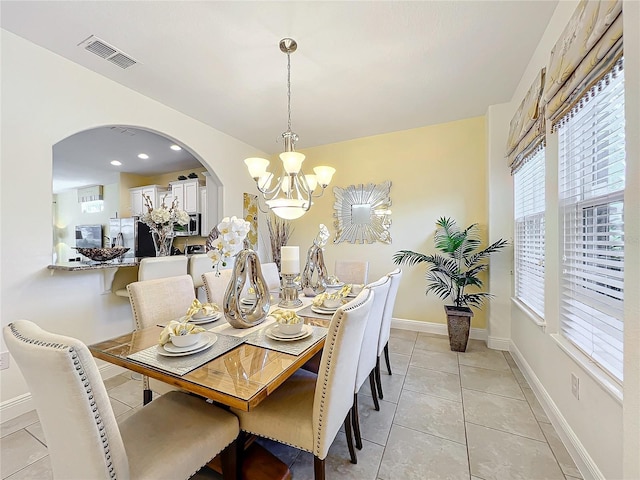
column 372, row 383
column 231, row 464
column 386, row 357
column 318, row 468
column 355, row 419
column 147, row 396
column 378, row 380
column 349, row 434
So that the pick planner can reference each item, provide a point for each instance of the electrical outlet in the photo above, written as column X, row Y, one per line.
column 4, row 360
column 575, row 386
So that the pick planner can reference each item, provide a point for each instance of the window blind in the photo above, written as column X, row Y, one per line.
column 592, row 182
column 529, row 206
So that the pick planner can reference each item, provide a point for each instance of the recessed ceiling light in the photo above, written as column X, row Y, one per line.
column 143, row 156
column 116, row 163
column 175, row 147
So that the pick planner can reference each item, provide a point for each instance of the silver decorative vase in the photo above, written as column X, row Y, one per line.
column 314, row 275
column 246, row 269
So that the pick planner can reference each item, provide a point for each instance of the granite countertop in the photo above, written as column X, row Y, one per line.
column 91, row 265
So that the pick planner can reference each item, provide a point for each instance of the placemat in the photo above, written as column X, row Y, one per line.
column 259, row 339
column 183, row 365
column 226, row 329
column 307, row 312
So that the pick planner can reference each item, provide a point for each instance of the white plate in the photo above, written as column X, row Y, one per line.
column 274, row 335
column 324, row 311
column 209, row 340
column 209, row 319
column 335, row 285
column 171, row 348
column 247, row 301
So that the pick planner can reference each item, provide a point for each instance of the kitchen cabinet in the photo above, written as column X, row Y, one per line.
column 187, row 192
column 155, row 192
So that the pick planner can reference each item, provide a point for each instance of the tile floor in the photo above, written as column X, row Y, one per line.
column 444, row 415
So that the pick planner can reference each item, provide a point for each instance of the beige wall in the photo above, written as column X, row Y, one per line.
column 435, row 171
column 173, row 176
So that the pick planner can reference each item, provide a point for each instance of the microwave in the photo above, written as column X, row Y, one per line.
column 190, row 229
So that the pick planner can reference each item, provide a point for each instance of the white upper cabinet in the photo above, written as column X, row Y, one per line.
column 155, row 192
column 188, row 194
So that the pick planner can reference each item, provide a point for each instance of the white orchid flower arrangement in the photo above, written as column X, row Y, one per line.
column 161, row 217
column 230, row 241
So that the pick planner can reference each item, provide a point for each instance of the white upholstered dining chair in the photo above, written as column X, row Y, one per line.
column 162, row 267
column 156, row 302
column 271, row 276
column 151, row 268
column 306, row 411
column 199, row 264
column 171, row 438
column 385, row 328
column 352, row 271
column 216, row 285
column 369, row 352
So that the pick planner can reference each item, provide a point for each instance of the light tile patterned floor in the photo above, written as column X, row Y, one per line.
column 465, row 416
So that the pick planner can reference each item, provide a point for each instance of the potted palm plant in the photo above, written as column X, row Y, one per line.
column 451, row 272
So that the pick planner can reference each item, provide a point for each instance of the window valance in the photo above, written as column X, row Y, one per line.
column 527, row 128
column 587, row 50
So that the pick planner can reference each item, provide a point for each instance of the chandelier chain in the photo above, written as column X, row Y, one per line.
column 289, row 91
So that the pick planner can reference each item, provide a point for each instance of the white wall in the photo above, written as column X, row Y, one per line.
column 631, row 418
column 500, row 226
column 46, row 98
column 602, row 444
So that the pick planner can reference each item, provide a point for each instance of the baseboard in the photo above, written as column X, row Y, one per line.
column 14, row 407
column 581, row 457
column 434, row 328
column 498, row 343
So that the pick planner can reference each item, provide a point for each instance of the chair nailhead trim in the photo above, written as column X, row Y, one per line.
column 329, row 366
column 87, row 385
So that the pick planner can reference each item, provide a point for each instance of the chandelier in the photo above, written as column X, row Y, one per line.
column 291, row 196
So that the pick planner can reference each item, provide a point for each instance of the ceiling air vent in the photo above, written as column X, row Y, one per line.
column 101, row 48
column 122, row 60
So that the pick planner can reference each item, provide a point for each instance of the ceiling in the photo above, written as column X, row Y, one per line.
column 85, row 158
column 361, row 68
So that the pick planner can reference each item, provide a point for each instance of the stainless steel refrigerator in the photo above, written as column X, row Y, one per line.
column 129, row 232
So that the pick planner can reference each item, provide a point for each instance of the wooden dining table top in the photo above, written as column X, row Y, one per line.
column 240, row 378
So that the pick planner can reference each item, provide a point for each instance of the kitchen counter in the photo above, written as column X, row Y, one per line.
column 91, row 265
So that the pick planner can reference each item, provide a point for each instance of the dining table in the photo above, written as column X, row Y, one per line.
column 240, row 370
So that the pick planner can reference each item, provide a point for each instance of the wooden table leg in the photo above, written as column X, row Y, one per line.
column 258, row 464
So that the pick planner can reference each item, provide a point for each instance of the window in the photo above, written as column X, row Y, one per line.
column 529, row 203
column 592, row 182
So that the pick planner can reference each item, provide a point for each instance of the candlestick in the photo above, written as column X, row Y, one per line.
column 289, row 292
column 290, row 260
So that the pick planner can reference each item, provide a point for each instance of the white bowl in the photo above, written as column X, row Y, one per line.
column 290, row 328
column 356, row 289
column 332, row 302
column 185, row 340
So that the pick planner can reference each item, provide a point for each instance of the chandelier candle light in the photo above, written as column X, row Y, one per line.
column 291, row 197
column 290, row 261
